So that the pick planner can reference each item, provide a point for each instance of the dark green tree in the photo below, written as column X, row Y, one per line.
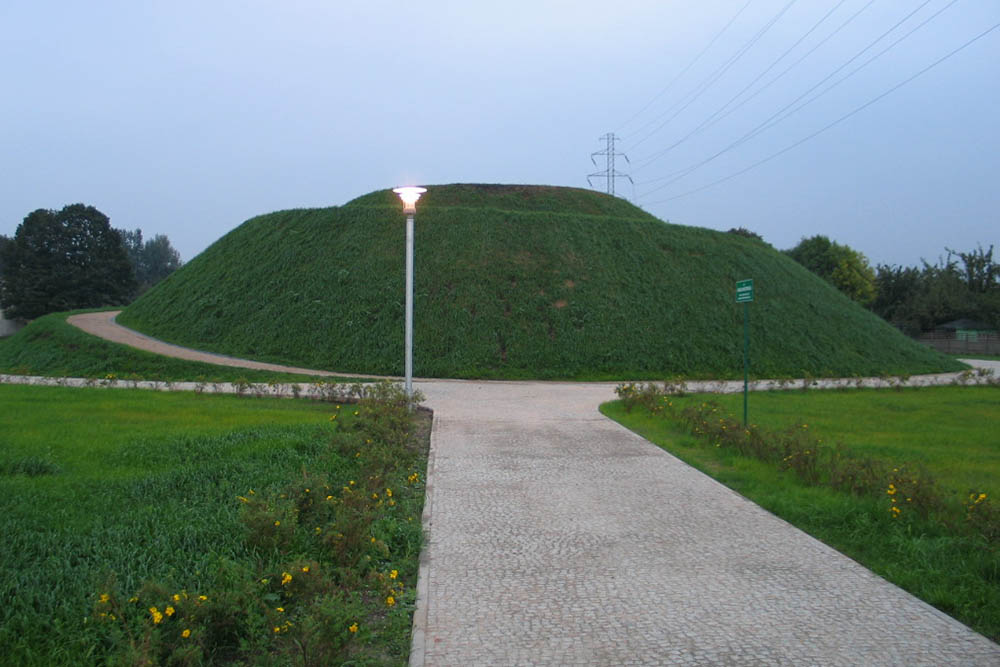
column 152, row 260
column 4, row 242
column 746, row 233
column 846, row 269
column 160, row 259
column 960, row 285
column 63, row 260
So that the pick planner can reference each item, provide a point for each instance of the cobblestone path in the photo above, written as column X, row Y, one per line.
column 559, row 538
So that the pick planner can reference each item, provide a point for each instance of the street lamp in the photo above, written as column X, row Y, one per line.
column 409, row 194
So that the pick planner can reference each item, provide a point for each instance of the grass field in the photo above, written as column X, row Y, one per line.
column 515, row 282
column 49, row 346
column 115, row 503
column 951, row 431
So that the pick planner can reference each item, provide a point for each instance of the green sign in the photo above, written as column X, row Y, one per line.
column 744, row 290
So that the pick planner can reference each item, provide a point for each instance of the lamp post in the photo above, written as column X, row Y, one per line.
column 409, row 194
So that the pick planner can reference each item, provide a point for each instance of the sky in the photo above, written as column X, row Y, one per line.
column 186, row 118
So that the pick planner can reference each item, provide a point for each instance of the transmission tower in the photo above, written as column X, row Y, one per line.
column 610, row 173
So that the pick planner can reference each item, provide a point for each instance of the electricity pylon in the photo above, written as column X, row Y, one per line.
column 610, row 173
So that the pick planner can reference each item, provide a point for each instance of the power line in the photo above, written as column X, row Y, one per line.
column 769, row 83
column 610, row 173
column 719, row 113
column 834, row 123
column 700, row 89
column 781, row 114
column 688, row 67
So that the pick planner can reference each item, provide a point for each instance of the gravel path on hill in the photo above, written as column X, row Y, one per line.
column 103, row 325
column 557, row 537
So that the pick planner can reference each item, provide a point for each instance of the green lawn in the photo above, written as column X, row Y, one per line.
column 137, row 495
column 949, row 430
column 953, row 431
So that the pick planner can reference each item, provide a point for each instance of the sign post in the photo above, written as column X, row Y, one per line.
column 744, row 295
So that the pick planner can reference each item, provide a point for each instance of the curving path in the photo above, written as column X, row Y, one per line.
column 103, row 325
column 557, row 537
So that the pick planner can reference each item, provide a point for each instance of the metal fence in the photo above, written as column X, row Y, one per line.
column 950, row 343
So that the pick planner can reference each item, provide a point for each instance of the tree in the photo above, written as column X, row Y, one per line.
column 4, row 242
column 62, row 261
column 152, row 260
column 746, row 233
column 844, row 268
column 160, row 259
column 980, row 272
column 917, row 300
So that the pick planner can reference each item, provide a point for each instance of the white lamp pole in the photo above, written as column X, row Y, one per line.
column 409, row 195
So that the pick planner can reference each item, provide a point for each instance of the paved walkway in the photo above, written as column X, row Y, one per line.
column 557, row 537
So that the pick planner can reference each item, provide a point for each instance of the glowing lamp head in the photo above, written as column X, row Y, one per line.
column 410, row 194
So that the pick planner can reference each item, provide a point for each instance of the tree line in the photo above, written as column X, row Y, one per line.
column 913, row 298
column 73, row 258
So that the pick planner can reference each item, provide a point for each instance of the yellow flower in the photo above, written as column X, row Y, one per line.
column 388, row 492
column 277, row 629
column 169, row 611
column 373, row 540
column 177, row 597
column 105, row 597
column 280, row 610
column 393, row 574
column 390, row 600
column 285, row 578
column 305, row 569
column 202, row 597
column 157, row 616
column 351, row 483
column 186, row 633
column 277, row 523
column 353, row 628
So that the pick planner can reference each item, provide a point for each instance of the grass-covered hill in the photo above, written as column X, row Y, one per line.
column 514, row 282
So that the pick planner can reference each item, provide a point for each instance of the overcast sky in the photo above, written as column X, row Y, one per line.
column 186, row 118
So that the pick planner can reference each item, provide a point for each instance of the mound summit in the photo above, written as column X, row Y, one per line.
column 515, row 282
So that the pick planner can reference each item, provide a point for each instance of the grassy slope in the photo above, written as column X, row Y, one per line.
column 515, row 282
column 49, row 346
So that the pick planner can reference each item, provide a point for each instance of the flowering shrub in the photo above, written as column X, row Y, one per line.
column 334, row 548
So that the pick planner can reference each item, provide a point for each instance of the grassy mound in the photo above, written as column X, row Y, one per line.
column 515, row 282
column 50, row 346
